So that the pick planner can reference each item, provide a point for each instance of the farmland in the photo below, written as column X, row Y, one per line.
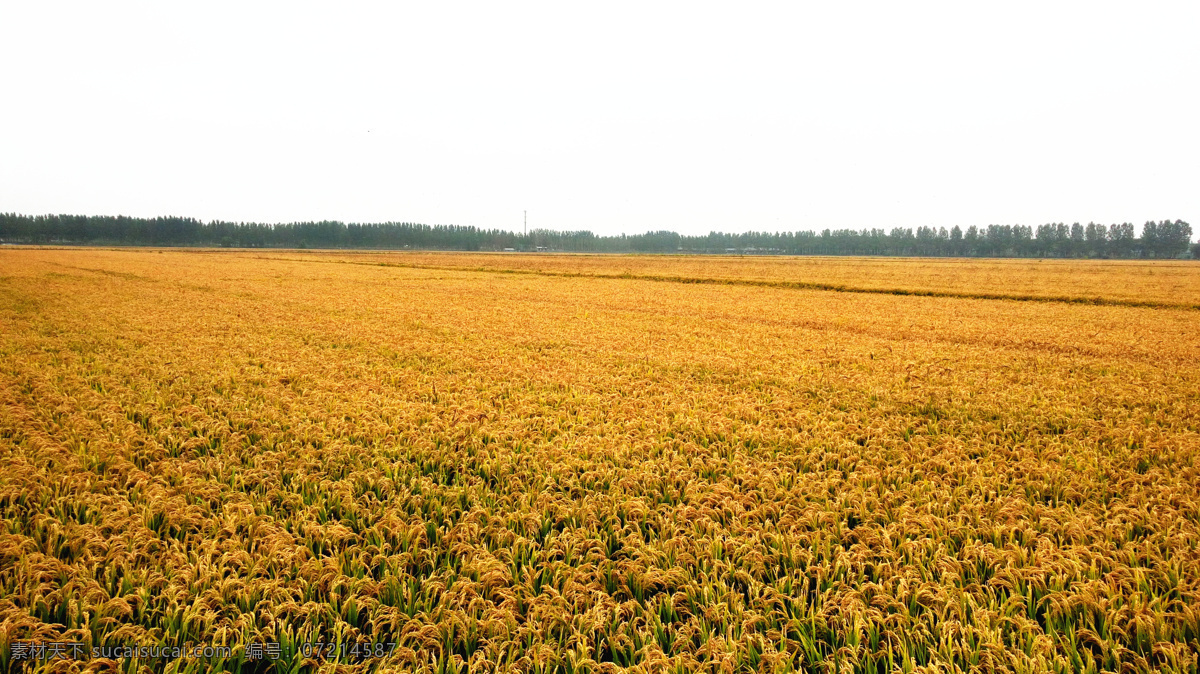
column 599, row 463
column 1161, row 283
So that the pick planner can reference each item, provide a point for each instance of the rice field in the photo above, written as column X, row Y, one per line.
column 478, row 463
column 1153, row 283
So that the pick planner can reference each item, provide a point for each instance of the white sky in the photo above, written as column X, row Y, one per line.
column 608, row 116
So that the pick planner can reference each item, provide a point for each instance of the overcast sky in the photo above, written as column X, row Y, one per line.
column 613, row 117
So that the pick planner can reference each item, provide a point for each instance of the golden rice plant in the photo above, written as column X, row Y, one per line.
column 476, row 471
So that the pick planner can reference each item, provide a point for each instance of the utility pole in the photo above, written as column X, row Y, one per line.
column 526, row 223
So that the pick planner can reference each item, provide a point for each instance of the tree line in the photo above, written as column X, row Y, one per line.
column 1164, row 239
